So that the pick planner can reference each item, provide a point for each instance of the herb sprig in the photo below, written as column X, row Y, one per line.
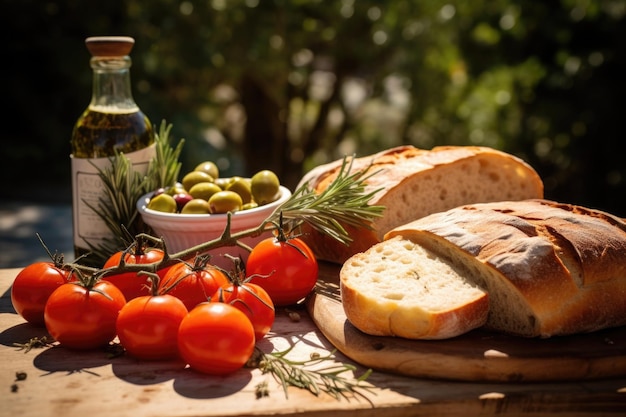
column 306, row 374
column 124, row 186
column 344, row 201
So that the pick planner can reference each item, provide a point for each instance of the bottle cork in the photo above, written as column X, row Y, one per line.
column 109, row 45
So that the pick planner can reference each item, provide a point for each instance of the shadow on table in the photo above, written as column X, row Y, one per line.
column 20, row 222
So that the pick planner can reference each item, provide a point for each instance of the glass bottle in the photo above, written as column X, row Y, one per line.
column 111, row 123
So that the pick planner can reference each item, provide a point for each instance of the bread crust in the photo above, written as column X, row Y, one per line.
column 385, row 319
column 412, row 183
column 562, row 266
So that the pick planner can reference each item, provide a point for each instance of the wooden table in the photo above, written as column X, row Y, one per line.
column 68, row 384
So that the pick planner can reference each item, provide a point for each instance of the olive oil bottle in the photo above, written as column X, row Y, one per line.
column 111, row 123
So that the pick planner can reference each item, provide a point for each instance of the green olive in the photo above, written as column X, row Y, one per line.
column 249, row 205
column 242, row 187
column 222, row 182
column 163, row 202
column 175, row 189
column 225, row 201
column 194, row 177
column 265, row 187
column 204, row 190
column 208, row 167
column 196, row 206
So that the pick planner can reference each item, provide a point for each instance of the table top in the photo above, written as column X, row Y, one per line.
column 61, row 382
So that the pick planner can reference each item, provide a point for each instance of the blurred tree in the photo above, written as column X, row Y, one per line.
column 288, row 84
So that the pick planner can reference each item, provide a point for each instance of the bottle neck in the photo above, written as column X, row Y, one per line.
column 111, row 85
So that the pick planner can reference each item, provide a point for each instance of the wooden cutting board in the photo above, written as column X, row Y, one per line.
column 475, row 356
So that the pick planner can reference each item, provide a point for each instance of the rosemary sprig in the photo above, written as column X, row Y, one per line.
column 34, row 342
column 343, row 202
column 165, row 167
column 124, row 186
column 306, row 374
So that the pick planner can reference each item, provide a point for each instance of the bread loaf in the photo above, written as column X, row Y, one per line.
column 548, row 268
column 413, row 183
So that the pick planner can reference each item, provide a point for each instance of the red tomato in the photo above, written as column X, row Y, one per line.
column 286, row 269
column 253, row 301
column 193, row 284
column 147, row 326
column 216, row 338
column 32, row 287
column 131, row 284
column 82, row 318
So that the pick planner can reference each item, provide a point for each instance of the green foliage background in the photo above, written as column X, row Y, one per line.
column 288, row 84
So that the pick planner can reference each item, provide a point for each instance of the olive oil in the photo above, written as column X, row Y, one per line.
column 101, row 132
column 111, row 123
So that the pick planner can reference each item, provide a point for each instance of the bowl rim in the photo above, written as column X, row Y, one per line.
column 142, row 208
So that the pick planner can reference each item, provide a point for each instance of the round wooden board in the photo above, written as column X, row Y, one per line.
column 475, row 356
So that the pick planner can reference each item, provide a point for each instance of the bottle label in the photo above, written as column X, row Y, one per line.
column 87, row 189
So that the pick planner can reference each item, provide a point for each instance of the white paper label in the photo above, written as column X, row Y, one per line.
column 87, row 188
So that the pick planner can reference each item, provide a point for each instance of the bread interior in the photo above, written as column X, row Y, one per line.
column 411, row 292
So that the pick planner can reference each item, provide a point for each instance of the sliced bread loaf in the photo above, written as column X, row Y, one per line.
column 413, row 183
column 549, row 268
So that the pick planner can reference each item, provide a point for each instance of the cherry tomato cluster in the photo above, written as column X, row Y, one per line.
column 190, row 310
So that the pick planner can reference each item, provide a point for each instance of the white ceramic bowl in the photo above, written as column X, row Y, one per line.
column 182, row 231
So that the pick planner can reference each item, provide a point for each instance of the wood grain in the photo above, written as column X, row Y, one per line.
column 475, row 356
column 76, row 384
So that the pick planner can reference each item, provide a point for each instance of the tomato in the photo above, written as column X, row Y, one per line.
column 285, row 268
column 253, row 301
column 193, row 284
column 32, row 287
column 147, row 326
column 216, row 338
column 131, row 284
column 81, row 317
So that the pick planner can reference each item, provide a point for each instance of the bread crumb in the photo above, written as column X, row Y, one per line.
column 492, row 353
column 491, row 396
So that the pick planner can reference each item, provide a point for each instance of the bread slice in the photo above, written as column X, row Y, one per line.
column 413, row 183
column 549, row 268
column 398, row 288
